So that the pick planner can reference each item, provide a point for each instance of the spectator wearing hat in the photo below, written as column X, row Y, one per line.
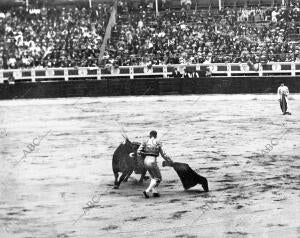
column 176, row 73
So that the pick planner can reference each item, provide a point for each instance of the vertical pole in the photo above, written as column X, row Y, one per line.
column 27, row 5
column 220, row 4
column 90, row 3
column 111, row 23
column 156, row 7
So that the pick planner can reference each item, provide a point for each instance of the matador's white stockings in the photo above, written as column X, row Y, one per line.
column 152, row 186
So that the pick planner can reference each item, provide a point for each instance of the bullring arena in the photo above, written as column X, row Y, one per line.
column 64, row 111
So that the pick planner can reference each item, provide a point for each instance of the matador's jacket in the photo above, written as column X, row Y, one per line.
column 151, row 150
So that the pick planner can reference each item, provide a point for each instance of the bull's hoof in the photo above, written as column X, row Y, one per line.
column 205, row 186
column 156, row 195
column 116, row 186
column 146, row 177
column 146, row 194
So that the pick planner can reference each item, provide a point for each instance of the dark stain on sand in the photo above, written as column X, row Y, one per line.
column 136, row 218
column 65, row 235
column 211, row 168
column 178, row 214
column 185, row 236
column 174, row 200
column 20, row 212
column 62, row 134
column 237, row 233
column 271, row 225
column 110, row 227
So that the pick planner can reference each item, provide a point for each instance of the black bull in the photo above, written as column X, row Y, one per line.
column 126, row 164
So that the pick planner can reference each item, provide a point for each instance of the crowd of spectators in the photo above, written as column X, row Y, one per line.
column 71, row 36
column 54, row 37
column 243, row 35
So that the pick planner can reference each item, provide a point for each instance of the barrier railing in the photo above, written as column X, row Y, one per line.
column 165, row 71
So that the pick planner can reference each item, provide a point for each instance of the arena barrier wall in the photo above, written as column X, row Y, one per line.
column 147, row 86
column 145, row 80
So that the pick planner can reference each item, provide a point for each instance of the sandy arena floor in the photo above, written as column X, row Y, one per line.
column 43, row 193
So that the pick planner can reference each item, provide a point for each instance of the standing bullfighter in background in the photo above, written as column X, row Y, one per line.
column 151, row 150
column 282, row 94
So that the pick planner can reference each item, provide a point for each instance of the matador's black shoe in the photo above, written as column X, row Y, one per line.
column 156, row 195
column 145, row 194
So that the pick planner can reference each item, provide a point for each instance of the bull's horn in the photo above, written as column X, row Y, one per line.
column 132, row 155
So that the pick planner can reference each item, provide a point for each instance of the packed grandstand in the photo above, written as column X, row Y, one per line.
column 72, row 35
